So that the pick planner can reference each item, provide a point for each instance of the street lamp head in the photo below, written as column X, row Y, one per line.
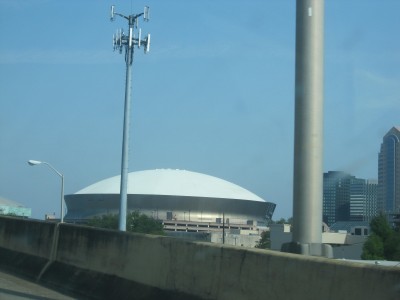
column 34, row 162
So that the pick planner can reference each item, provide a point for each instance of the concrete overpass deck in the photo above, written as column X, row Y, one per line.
column 16, row 288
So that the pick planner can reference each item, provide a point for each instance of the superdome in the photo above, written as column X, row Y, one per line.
column 173, row 183
column 168, row 194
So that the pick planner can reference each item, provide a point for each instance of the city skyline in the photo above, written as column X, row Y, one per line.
column 215, row 94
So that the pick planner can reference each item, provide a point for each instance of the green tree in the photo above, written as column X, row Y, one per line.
column 108, row 221
column 373, row 248
column 141, row 223
column 392, row 246
column 265, row 241
column 383, row 242
column 282, row 221
column 380, row 226
column 135, row 222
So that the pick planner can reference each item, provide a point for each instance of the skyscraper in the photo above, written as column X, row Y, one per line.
column 389, row 172
column 336, row 198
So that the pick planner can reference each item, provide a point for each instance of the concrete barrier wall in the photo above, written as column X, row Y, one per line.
column 104, row 264
column 27, row 236
column 25, row 245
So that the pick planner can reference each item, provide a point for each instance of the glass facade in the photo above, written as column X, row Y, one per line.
column 389, row 172
column 358, row 198
column 371, row 200
column 336, row 197
column 347, row 198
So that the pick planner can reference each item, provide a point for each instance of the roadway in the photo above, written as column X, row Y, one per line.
column 16, row 288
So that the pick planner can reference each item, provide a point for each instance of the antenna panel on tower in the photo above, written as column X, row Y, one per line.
column 112, row 13
column 147, row 48
column 140, row 37
column 130, row 37
column 146, row 14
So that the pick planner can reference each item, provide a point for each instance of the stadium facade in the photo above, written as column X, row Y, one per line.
column 173, row 196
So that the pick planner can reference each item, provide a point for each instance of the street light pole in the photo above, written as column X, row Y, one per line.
column 36, row 162
column 120, row 41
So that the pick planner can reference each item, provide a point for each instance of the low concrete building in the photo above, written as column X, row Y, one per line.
column 344, row 244
column 240, row 238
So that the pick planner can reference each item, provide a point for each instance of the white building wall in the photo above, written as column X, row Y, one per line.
column 235, row 239
column 279, row 234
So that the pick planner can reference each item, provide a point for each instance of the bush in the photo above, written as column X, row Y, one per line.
column 135, row 222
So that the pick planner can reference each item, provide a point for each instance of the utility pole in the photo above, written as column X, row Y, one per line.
column 121, row 41
column 223, row 228
column 308, row 139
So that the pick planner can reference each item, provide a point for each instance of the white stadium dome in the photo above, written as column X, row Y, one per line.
column 170, row 194
column 173, row 183
column 8, row 202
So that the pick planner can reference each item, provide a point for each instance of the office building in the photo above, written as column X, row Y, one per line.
column 358, row 198
column 389, row 172
column 348, row 198
column 371, row 200
column 336, row 197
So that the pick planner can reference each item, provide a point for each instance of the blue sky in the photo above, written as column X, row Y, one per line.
column 215, row 94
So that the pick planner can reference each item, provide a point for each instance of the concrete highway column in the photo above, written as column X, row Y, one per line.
column 308, row 140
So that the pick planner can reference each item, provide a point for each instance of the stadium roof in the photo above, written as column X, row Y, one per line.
column 7, row 202
column 174, row 183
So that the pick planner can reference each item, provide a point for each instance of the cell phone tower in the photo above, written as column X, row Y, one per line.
column 308, row 136
column 128, row 41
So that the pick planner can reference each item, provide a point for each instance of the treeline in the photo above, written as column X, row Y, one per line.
column 135, row 222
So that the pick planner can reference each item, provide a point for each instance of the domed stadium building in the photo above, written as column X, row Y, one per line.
column 176, row 197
